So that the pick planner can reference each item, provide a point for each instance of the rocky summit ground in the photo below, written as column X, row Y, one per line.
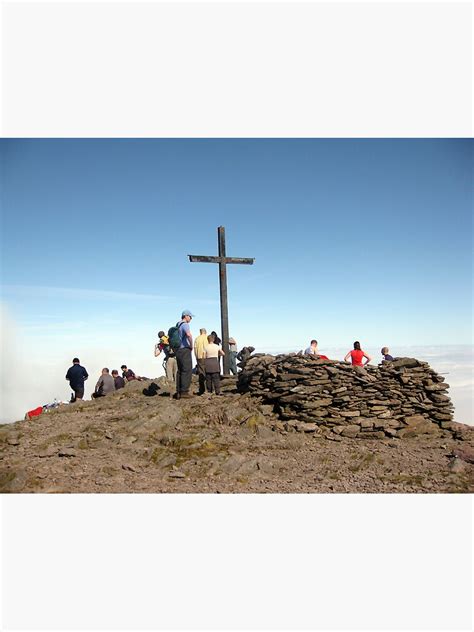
column 127, row 442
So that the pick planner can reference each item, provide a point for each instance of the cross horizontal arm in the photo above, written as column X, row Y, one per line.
column 204, row 259
column 239, row 260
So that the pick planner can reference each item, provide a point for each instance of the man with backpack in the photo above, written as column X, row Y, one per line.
column 169, row 363
column 181, row 341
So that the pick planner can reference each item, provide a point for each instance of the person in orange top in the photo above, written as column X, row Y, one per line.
column 357, row 355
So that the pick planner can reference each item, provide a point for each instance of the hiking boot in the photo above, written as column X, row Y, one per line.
column 186, row 395
column 177, row 396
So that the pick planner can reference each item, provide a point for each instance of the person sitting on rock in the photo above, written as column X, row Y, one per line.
column 105, row 384
column 357, row 355
column 313, row 350
column 212, row 353
column 128, row 374
column 386, row 355
column 119, row 381
column 245, row 353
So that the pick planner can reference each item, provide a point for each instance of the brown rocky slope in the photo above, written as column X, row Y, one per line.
column 386, row 429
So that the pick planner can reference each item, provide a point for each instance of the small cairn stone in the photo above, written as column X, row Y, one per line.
column 403, row 398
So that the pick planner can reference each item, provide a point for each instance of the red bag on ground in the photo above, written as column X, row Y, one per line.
column 35, row 412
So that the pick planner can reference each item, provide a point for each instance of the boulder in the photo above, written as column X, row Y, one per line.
column 350, row 431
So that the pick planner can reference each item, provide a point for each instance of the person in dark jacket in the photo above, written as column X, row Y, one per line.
column 76, row 376
column 119, row 381
column 127, row 373
column 386, row 355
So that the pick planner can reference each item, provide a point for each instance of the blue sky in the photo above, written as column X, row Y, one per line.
column 353, row 239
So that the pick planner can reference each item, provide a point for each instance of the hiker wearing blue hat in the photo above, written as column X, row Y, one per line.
column 184, row 357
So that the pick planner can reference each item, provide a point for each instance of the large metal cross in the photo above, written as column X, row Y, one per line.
column 222, row 260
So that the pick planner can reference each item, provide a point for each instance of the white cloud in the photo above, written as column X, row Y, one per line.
column 18, row 381
column 34, row 363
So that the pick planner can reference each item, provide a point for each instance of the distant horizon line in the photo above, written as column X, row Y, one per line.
column 404, row 346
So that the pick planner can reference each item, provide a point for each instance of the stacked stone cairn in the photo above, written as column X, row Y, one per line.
column 395, row 399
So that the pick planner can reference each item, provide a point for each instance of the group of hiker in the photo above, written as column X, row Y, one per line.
column 76, row 375
column 178, row 346
column 356, row 355
column 107, row 382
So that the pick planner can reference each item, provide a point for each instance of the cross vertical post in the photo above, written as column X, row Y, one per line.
column 223, row 293
column 222, row 260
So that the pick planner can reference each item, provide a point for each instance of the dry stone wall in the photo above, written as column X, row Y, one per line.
column 395, row 399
